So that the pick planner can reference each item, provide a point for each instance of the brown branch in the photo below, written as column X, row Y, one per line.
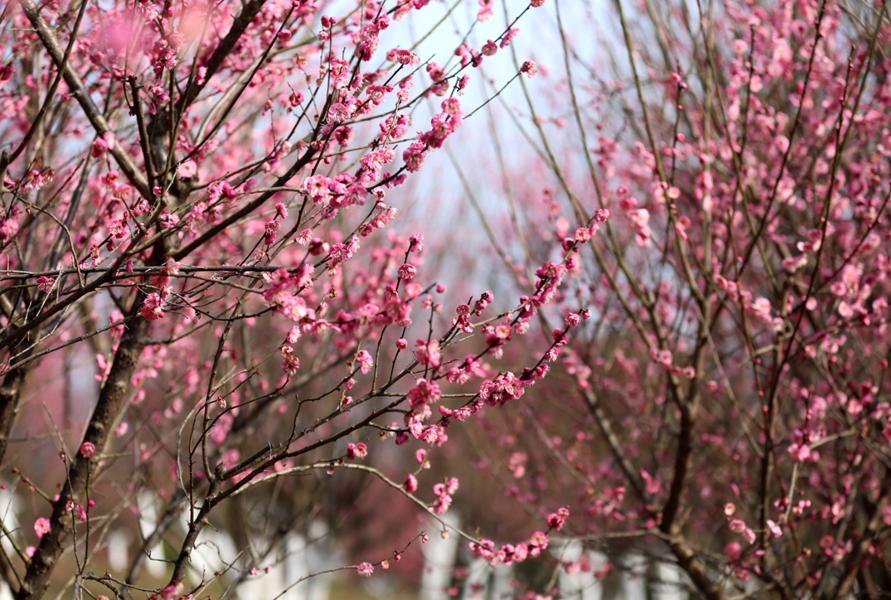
column 7, row 159
column 76, row 87
column 222, row 51
column 854, row 563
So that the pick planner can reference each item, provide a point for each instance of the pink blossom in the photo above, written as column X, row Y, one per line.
column 187, row 169
column 151, row 307
column 41, row 526
column 557, row 519
column 102, row 144
column 428, row 353
column 363, row 358
column 88, row 449
column 355, row 451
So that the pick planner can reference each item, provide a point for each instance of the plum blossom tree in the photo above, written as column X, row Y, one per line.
column 725, row 409
column 208, row 295
column 195, row 200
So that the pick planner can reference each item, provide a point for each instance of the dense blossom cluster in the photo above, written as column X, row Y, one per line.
column 199, row 200
column 732, row 394
column 209, row 295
